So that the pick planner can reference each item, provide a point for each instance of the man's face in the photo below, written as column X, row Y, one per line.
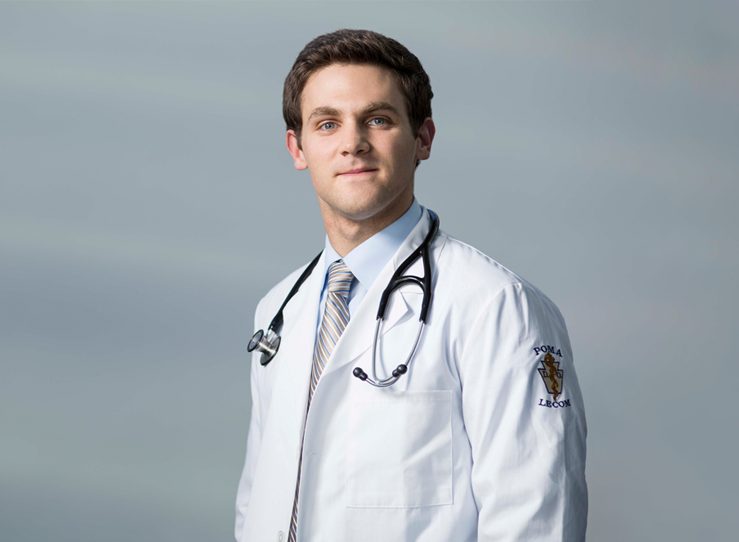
column 357, row 142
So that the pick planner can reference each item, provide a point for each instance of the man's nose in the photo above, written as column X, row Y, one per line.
column 355, row 139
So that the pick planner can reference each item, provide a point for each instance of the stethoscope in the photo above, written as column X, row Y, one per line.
column 269, row 344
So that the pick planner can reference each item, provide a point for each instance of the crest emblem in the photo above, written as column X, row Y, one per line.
column 552, row 375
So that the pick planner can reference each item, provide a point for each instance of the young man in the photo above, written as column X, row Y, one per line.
column 482, row 436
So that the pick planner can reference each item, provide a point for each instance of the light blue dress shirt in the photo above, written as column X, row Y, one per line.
column 367, row 260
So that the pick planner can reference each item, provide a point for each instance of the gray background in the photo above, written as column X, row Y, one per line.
column 147, row 202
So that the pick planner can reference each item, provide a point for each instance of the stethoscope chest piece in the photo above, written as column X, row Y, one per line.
column 268, row 345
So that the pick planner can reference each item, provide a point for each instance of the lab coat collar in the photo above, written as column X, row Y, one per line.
column 404, row 303
column 367, row 260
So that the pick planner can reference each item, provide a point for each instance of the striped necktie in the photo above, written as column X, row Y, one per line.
column 335, row 319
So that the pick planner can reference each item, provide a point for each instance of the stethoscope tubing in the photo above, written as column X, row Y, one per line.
column 270, row 344
column 387, row 382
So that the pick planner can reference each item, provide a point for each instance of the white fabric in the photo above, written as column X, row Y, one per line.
column 463, row 448
column 335, row 318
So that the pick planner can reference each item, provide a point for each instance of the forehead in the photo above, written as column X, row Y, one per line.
column 350, row 87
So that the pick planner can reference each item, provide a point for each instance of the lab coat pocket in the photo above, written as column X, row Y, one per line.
column 399, row 450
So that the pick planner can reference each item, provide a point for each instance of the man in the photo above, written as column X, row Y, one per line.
column 483, row 438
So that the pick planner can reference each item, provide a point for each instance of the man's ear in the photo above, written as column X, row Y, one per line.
column 295, row 152
column 426, row 134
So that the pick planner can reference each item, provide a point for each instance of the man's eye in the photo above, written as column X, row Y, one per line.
column 378, row 122
column 328, row 126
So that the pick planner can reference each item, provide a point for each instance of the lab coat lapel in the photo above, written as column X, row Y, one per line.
column 299, row 332
column 359, row 333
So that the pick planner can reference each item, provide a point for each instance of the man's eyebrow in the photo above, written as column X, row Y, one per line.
column 379, row 106
column 324, row 111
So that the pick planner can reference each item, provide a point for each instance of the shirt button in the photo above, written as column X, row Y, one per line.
column 280, row 537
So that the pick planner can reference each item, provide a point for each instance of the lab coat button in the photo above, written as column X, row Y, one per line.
column 280, row 537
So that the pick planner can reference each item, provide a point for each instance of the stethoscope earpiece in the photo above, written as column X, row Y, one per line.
column 401, row 370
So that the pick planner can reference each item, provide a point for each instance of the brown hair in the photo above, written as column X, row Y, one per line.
column 358, row 47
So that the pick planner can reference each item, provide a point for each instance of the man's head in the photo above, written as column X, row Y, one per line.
column 358, row 47
column 357, row 107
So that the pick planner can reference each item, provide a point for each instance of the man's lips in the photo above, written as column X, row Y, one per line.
column 357, row 171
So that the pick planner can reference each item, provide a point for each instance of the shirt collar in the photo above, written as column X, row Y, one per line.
column 367, row 260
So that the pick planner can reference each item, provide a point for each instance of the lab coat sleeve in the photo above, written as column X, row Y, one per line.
column 253, row 443
column 528, row 472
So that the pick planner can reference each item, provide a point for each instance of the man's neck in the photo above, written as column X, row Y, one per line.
column 345, row 234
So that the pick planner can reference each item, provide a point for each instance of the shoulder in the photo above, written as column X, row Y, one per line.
column 497, row 313
column 478, row 271
column 481, row 283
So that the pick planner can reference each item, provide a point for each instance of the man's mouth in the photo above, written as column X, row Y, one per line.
column 357, row 171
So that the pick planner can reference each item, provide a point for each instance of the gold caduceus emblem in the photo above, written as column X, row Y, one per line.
column 552, row 375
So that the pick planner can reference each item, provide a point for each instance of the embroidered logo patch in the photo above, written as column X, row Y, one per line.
column 552, row 375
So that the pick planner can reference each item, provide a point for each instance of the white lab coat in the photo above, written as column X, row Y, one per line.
column 464, row 447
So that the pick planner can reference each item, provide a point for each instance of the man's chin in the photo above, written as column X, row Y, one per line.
column 370, row 210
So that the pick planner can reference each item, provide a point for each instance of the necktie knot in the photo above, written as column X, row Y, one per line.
column 339, row 279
